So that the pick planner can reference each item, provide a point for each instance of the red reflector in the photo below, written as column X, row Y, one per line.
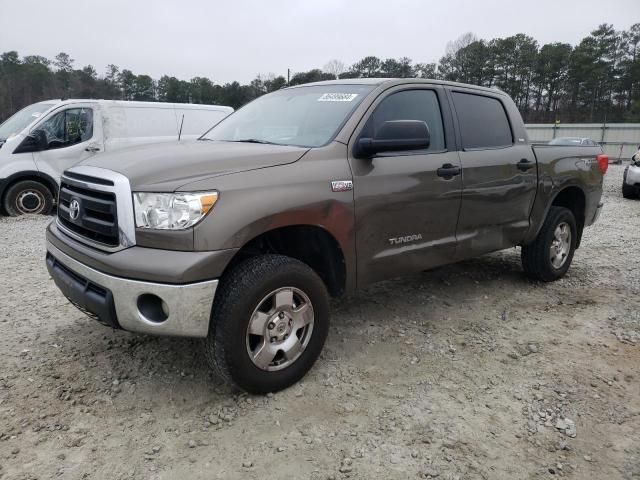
column 603, row 163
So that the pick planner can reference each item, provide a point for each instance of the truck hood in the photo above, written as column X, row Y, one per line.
column 165, row 167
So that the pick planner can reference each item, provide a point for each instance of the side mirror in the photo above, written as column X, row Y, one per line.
column 394, row 136
column 36, row 141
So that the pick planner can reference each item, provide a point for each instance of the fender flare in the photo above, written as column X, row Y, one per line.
column 49, row 182
column 553, row 195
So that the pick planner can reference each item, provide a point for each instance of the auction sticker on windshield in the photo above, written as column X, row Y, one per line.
column 337, row 97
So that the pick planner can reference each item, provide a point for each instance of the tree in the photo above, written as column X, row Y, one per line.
column 598, row 79
column 550, row 77
column 315, row 75
column 425, row 70
column 126, row 80
column 334, row 67
column 275, row 83
column 461, row 42
column 88, row 83
column 9, row 68
column 367, row 67
column 144, row 88
column 63, row 62
column 111, row 82
column 401, row 68
column 630, row 68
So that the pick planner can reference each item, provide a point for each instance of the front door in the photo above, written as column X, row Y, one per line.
column 73, row 134
column 499, row 180
column 406, row 203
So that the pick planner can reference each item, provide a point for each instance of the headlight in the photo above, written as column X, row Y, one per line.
column 172, row 211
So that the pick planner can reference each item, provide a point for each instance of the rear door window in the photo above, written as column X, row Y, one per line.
column 410, row 105
column 483, row 121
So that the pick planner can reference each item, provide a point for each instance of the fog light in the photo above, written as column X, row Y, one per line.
column 153, row 308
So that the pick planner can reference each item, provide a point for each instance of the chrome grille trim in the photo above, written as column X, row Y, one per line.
column 124, row 205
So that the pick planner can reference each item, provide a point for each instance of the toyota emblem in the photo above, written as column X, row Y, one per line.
column 74, row 209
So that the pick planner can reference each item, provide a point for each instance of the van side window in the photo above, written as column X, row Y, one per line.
column 68, row 127
column 410, row 105
column 483, row 121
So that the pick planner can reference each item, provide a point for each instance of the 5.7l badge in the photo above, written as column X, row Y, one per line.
column 341, row 185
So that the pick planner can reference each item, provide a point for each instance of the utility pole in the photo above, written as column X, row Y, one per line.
column 288, row 76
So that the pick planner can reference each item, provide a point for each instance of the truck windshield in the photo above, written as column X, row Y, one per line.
column 304, row 116
column 18, row 121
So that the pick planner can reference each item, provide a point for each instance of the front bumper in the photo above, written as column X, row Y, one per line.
column 597, row 214
column 133, row 305
column 633, row 175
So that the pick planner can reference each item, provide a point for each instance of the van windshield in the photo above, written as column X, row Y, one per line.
column 18, row 121
column 303, row 116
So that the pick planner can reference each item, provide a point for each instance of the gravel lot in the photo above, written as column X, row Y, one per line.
column 468, row 371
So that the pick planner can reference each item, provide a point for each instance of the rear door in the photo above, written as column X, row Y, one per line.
column 499, row 175
column 74, row 133
column 406, row 203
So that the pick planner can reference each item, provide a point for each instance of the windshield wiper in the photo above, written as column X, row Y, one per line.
column 255, row 140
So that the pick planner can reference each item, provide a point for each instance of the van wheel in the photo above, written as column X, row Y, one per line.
column 28, row 196
column 269, row 322
column 628, row 191
column 549, row 256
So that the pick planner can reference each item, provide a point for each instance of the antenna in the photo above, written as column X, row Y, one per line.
column 181, row 123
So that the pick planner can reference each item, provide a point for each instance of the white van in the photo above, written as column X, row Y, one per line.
column 42, row 140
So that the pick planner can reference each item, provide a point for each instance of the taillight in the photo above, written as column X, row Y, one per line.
column 603, row 163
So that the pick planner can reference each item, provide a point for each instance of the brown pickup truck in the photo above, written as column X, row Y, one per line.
column 242, row 236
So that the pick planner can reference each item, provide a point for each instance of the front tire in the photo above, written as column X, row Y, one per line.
column 28, row 197
column 549, row 256
column 269, row 323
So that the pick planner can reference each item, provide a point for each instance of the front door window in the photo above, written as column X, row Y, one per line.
column 68, row 127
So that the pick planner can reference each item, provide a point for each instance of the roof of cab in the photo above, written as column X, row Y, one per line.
column 131, row 103
column 399, row 81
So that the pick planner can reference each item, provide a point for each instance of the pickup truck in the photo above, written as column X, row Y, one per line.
column 241, row 237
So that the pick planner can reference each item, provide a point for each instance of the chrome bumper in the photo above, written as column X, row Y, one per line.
column 182, row 310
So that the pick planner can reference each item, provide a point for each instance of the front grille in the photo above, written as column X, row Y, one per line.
column 95, row 214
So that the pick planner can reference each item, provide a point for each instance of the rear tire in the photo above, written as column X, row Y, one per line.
column 255, row 313
column 549, row 256
column 28, row 197
column 628, row 191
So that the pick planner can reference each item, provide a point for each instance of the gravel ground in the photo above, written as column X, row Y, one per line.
column 468, row 371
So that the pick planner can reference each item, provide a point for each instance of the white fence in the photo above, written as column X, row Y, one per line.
column 619, row 140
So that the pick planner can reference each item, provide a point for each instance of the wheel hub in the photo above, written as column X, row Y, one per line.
column 280, row 329
column 280, row 326
column 30, row 201
column 560, row 245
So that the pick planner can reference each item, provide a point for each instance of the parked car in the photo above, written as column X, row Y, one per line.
column 307, row 192
column 42, row 140
column 631, row 178
column 584, row 141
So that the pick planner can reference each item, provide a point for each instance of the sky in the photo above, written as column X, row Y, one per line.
column 238, row 39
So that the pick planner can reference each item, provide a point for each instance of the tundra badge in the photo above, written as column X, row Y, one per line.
column 407, row 239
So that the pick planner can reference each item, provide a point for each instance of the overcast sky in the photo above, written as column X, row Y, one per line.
column 237, row 39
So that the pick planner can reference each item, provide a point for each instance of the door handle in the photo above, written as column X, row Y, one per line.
column 92, row 149
column 448, row 171
column 525, row 165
